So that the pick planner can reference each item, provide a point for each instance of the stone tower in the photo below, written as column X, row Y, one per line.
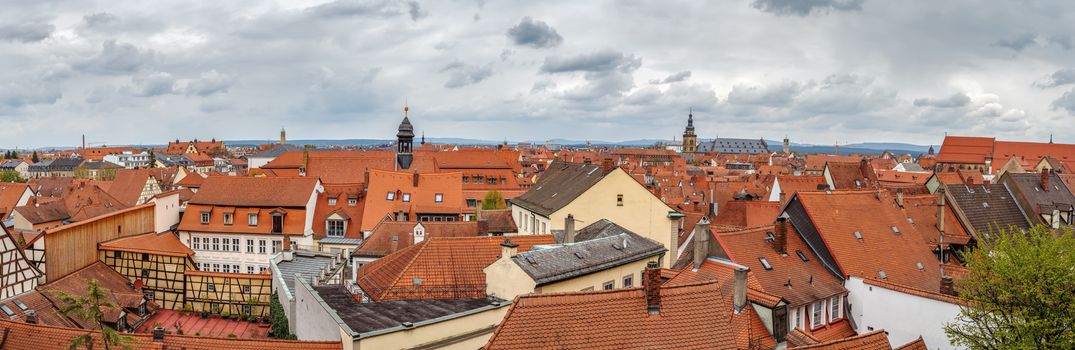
column 690, row 140
column 283, row 136
column 404, row 141
column 787, row 145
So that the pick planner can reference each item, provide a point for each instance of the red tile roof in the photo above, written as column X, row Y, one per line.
column 152, row 243
column 847, row 176
column 917, row 344
column 343, row 194
column 438, row 268
column 422, row 196
column 747, row 213
column 876, row 340
column 120, row 292
column 816, row 162
column 923, row 210
column 692, row 316
column 10, row 193
column 41, row 337
column 392, row 236
column 965, row 150
column 794, row 184
column 262, row 192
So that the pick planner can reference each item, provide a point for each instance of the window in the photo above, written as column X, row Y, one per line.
column 472, row 203
column 406, row 198
column 628, row 281
column 229, row 218
column 277, row 223
column 797, row 319
column 765, row 263
column 216, row 244
column 197, row 243
column 145, row 273
column 503, row 181
column 250, row 246
column 235, row 244
column 466, row 179
column 250, row 270
column 543, row 228
column 818, row 309
column 439, row 198
column 252, row 219
column 261, row 246
column 608, row 285
column 619, row 200
column 276, row 245
column 801, row 255
column 834, row 303
column 246, row 307
column 211, row 287
column 7, row 311
column 334, row 228
column 332, row 201
column 491, row 181
column 145, row 257
column 262, row 269
column 352, row 201
column 205, row 217
column 216, row 267
column 391, row 196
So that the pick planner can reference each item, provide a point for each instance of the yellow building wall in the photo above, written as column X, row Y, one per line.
column 642, row 212
column 596, row 279
column 484, row 323
column 504, row 279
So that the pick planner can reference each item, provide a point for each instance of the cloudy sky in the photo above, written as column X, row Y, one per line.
column 819, row 71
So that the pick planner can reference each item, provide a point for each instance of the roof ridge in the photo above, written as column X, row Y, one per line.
column 841, row 340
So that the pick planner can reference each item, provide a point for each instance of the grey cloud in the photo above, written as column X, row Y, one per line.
column 415, row 10
column 209, row 83
column 462, row 74
column 155, row 84
column 1061, row 77
column 99, row 19
column 1066, row 102
column 1063, row 41
column 537, row 34
column 805, row 7
column 115, row 58
column 601, row 61
column 776, row 95
column 1017, row 43
column 356, row 8
column 681, row 76
column 14, row 95
column 958, row 100
column 26, row 32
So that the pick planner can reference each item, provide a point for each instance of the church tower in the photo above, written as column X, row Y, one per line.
column 787, row 145
column 283, row 136
column 404, row 141
column 690, row 140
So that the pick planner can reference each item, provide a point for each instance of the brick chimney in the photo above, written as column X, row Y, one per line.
column 508, row 249
column 395, row 243
column 970, row 181
column 947, row 286
column 569, row 229
column 783, row 196
column 781, row 241
column 701, row 242
column 739, row 296
column 415, row 178
column 899, row 197
column 651, row 284
column 158, row 334
column 1045, row 180
column 31, row 316
column 607, row 165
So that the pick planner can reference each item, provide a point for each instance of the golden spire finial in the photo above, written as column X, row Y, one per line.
column 406, row 109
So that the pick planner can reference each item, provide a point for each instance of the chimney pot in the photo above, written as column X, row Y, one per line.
column 569, row 229
column 651, row 283
column 701, row 243
column 158, row 334
column 947, row 286
column 508, row 249
column 781, row 241
column 416, row 178
column 31, row 316
column 1045, row 180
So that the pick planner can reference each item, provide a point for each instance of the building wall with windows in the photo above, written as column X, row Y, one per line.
column 232, row 253
column 242, row 294
column 162, row 276
column 903, row 316
column 506, row 280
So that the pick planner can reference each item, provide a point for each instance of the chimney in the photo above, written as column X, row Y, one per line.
column 651, row 284
column 970, row 181
column 781, row 241
column 1045, row 180
column 569, row 229
column 947, row 286
column 395, row 243
column 158, row 334
column 508, row 249
column 288, row 254
column 783, row 196
column 31, row 316
column 701, row 243
column 606, row 165
column 416, row 178
column 739, row 298
column 899, row 197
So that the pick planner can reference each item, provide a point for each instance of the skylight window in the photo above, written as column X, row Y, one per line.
column 7, row 311
column 579, row 255
column 895, row 230
column 390, row 196
column 765, row 263
column 882, row 274
column 858, row 235
column 769, row 237
column 919, row 266
column 22, row 306
column 416, row 281
column 531, row 260
column 985, row 205
column 801, row 255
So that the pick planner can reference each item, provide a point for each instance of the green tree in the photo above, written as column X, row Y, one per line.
column 280, row 329
column 1020, row 292
column 152, row 160
column 493, row 200
column 11, row 176
column 91, row 308
column 34, row 158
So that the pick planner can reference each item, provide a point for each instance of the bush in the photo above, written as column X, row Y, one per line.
column 278, row 320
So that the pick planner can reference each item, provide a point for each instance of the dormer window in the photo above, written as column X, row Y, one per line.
column 205, row 217
column 252, row 219
column 466, row 179
column 332, row 201
column 277, row 223
column 229, row 218
column 335, row 228
column 391, row 196
column 352, row 201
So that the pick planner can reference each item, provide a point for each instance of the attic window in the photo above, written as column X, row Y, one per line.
column 439, row 198
column 531, row 260
column 858, row 183
column 769, row 237
column 765, row 263
column 416, row 281
column 205, row 217
column 332, row 201
column 919, row 266
column 406, row 198
column 858, row 235
column 7, row 311
column 882, row 274
column 391, row 196
column 895, row 230
column 579, row 255
column 801, row 255
column 20, row 304
column 985, row 205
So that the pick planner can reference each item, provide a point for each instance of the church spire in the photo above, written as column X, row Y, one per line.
column 283, row 136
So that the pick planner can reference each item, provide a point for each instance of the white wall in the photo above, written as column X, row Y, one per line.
column 529, row 227
column 165, row 212
column 319, row 322
column 905, row 317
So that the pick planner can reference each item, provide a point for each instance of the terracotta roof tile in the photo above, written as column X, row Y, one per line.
column 152, row 243
column 255, row 191
column 42, row 337
column 876, row 340
column 422, row 198
column 380, row 240
column 747, row 213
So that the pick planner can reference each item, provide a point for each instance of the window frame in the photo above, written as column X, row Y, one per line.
column 340, row 231
column 438, row 198
column 817, row 314
column 608, row 285
column 332, row 201
column 251, row 219
column 205, row 217
column 628, row 281
column 229, row 219
column 836, row 308
column 391, row 196
column 406, row 198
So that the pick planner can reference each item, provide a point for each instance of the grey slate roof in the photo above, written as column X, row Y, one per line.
column 560, row 184
column 386, row 315
column 988, row 210
column 276, row 151
column 307, row 264
column 912, row 167
column 11, row 164
column 1037, row 200
column 730, row 145
column 605, row 250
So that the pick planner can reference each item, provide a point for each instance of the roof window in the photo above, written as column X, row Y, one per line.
column 919, row 266
column 765, row 264
column 7, row 311
column 801, row 255
column 895, row 230
column 416, row 281
column 579, row 255
column 22, row 306
column 858, row 235
column 769, row 237
column 882, row 274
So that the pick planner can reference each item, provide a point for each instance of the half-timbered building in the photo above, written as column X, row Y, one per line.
column 157, row 262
